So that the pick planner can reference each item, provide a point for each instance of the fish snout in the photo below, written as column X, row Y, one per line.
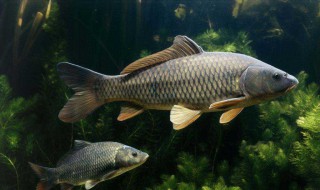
column 293, row 82
column 144, row 157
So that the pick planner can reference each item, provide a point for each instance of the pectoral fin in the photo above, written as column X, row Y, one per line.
column 227, row 116
column 181, row 117
column 128, row 111
column 111, row 175
column 224, row 104
column 91, row 183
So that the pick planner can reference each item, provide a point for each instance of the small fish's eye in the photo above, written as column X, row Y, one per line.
column 134, row 154
column 276, row 76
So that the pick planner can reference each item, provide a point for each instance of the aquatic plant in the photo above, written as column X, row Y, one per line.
column 12, row 122
column 306, row 152
column 225, row 40
column 193, row 173
column 10, row 163
column 27, row 28
column 279, row 149
column 16, row 139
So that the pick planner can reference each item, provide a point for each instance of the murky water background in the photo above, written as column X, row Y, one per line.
column 271, row 146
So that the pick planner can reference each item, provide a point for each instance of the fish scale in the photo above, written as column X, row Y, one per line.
column 191, row 81
column 84, row 164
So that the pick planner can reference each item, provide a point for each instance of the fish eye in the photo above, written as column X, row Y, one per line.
column 276, row 76
column 134, row 154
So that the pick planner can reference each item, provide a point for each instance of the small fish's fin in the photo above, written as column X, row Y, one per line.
column 45, row 174
column 84, row 101
column 128, row 111
column 78, row 145
column 224, row 104
column 182, row 46
column 181, row 117
column 91, row 183
column 227, row 116
column 65, row 186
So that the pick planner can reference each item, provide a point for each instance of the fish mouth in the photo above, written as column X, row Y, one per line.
column 144, row 159
column 294, row 83
column 291, row 87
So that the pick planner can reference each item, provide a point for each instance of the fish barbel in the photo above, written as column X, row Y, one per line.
column 182, row 78
column 89, row 164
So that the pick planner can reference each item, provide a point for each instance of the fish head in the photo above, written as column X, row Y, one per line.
column 129, row 157
column 263, row 81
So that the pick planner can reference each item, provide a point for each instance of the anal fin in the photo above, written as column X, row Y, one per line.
column 227, row 116
column 128, row 111
column 181, row 117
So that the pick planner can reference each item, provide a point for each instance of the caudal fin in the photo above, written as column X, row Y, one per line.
column 46, row 176
column 84, row 101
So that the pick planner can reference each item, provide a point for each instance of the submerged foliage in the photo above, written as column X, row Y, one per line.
column 225, row 40
column 306, row 152
column 12, row 121
column 15, row 135
column 278, row 150
column 193, row 173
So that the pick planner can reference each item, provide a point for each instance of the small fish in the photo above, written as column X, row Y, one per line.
column 182, row 78
column 89, row 164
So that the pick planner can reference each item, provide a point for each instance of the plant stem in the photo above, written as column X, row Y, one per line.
column 14, row 167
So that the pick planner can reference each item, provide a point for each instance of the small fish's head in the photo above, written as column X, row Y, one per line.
column 130, row 157
column 266, row 82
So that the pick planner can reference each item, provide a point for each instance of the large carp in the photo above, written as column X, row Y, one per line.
column 182, row 78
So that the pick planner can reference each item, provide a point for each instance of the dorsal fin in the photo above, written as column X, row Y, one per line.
column 182, row 46
column 78, row 145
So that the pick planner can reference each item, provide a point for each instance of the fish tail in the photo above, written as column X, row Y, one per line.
column 46, row 176
column 85, row 99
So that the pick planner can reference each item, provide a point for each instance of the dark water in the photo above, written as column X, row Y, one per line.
column 269, row 146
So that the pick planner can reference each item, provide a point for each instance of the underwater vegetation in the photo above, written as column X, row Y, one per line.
column 193, row 173
column 225, row 40
column 16, row 140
